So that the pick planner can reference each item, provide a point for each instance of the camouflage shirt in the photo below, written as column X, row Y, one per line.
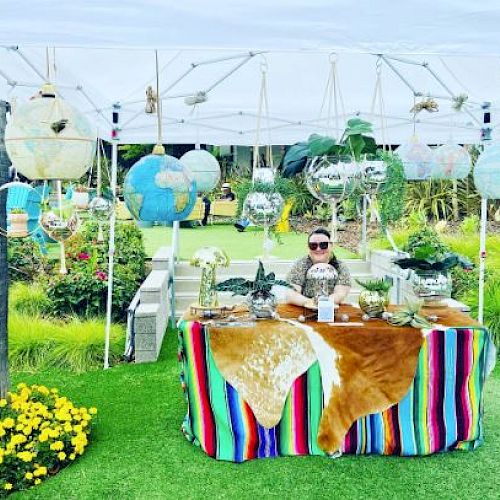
column 309, row 288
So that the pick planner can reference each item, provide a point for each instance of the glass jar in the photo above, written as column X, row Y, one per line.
column 433, row 287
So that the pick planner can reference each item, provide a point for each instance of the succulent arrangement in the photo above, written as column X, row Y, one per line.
column 375, row 285
column 409, row 316
column 374, row 298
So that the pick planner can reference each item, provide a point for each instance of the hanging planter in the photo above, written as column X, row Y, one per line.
column 204, row 169
column 417, row 158
column 451, row 161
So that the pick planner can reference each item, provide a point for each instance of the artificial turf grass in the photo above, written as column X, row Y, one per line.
column 138, row 451
column 239, row 246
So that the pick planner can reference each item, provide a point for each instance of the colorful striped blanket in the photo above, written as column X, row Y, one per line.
column 442, row 410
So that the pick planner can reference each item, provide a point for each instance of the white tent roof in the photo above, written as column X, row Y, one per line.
column 104, row 52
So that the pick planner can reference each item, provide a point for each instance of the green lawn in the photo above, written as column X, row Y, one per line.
column 246, row 245
column 138, row 451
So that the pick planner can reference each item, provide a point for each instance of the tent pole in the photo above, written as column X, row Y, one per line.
column 364, row 227
column 482, row 257
column 173, row 258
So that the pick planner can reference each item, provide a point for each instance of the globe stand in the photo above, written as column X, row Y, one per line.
column 334, row 221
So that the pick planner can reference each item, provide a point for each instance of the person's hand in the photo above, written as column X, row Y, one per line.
column 310, row 304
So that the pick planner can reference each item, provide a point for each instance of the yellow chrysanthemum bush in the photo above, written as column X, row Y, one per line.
column 40, row 432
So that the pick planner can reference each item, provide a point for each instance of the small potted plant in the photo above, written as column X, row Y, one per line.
column 374, row 298
column 261, row 301
column 18, row 219
column 80, row 197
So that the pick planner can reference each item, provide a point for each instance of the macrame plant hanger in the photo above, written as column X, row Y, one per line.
column 267, row 173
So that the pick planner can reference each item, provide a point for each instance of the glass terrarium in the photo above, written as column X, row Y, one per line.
column 432, row 286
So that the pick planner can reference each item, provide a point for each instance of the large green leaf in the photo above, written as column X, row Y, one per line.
column 357, row 144
column 320, row 144
column 295, row 159
column 358, row 126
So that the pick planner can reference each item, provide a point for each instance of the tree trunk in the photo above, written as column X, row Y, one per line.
column 4, row 275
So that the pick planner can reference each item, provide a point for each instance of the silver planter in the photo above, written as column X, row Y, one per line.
column 373, row 303
column 261, row 305
column 432, row 286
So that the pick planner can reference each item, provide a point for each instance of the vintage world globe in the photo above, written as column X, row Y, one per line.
column 159, row 188
column 204, row 168
column 487, row 172
column 47, row 138
column 326, row 179
column 263, row 209
column 417, row 159
column 451, row 161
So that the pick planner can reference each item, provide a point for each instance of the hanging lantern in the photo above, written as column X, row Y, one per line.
column 326, row 178
column 47, row 138
column 158, row 188
column 59, row 220
column 263, row 209
column 451, row 161
column 417, row 159
column 487, row 173
column 204, row 168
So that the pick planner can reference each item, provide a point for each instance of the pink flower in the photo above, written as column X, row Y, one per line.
column 83, row 256
column 101, row 275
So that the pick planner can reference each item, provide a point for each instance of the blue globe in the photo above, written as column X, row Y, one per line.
column 158, row 188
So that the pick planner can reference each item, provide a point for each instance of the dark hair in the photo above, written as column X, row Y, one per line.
column 321, row 230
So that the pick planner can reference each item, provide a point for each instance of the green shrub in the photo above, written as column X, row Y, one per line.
column 31, row 300
column 392, row 193
column 470, row 226
column 37, row 344
column 26, row 262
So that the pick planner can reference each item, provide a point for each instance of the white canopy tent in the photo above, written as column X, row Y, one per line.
column 100, row 54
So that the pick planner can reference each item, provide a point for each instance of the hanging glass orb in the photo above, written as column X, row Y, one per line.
column 487, row 173
column 59, row 221
column 101, row 209
column 23, row 209
column 417, row 159
column 374, row 174
column 47, row 138
column 451, row 161
column 204, row 168
column 326, row 178
column 320, row 279
column 159, row 188
column 263, row 209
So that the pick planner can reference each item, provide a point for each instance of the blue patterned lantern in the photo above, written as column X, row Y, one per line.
column 158, row 188
column 451, row 161
column 417, row 159
column 487, row 172
column 204, row 168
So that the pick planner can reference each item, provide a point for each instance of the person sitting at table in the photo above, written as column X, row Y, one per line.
column 226, row 194
column 320, row 252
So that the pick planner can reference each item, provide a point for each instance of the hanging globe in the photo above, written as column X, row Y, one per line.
column 59, row 221
column 47, row 138
column 417, row 159
column 487, row 173
column 451, row 161
column 263, row 209
column 204, row 168
column 159, row 188
column 100, row 209
column 374, row 174
column 326, row 178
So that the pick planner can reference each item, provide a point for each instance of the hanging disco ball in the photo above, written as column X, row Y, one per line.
column 451, row 161
column 204, row 168
column 417, row 159
column 159, row 188
column 326, row 178
column 487, row 172
column 47, row 138
column 318, row 279
column 374, row 174
column 59, row 221
column 100, row 209
column 263, row 209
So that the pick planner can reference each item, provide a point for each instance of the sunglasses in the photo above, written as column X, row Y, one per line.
column 323, row 245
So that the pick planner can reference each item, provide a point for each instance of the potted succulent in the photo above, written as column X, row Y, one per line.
column 18, row 219
column 261, row 301
column 374, row 298
column 80, row 197
column 430, row 262
column 209, row 258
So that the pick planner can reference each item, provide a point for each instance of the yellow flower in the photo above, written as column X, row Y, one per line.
column 54, row 390
column 40, row 471
column 93, row 411
column 25, row 456
column 8, row 423
column 72, row 456
column 21, row 386
column 27, row 430
column 3, row 402
column 7, row 486
column 61, row 455
column 38, row 481
column 43, row 390
column 18, row 439
column 2, row 431
column 28, row 476
column 57, row 446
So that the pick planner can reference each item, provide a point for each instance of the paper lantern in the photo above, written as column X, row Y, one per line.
column 326, row 178
column 47, row 138
column 159, row 188
column 263, row 209
column 417, row 159
column 204, row 168
column 451, row 161
column 487, row 173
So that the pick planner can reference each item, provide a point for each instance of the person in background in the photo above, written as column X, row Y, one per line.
column 226, row 194
column 320, row 249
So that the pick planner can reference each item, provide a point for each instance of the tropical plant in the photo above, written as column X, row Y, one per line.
column 392, row 193
column 262, row 283
column 42, row 449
